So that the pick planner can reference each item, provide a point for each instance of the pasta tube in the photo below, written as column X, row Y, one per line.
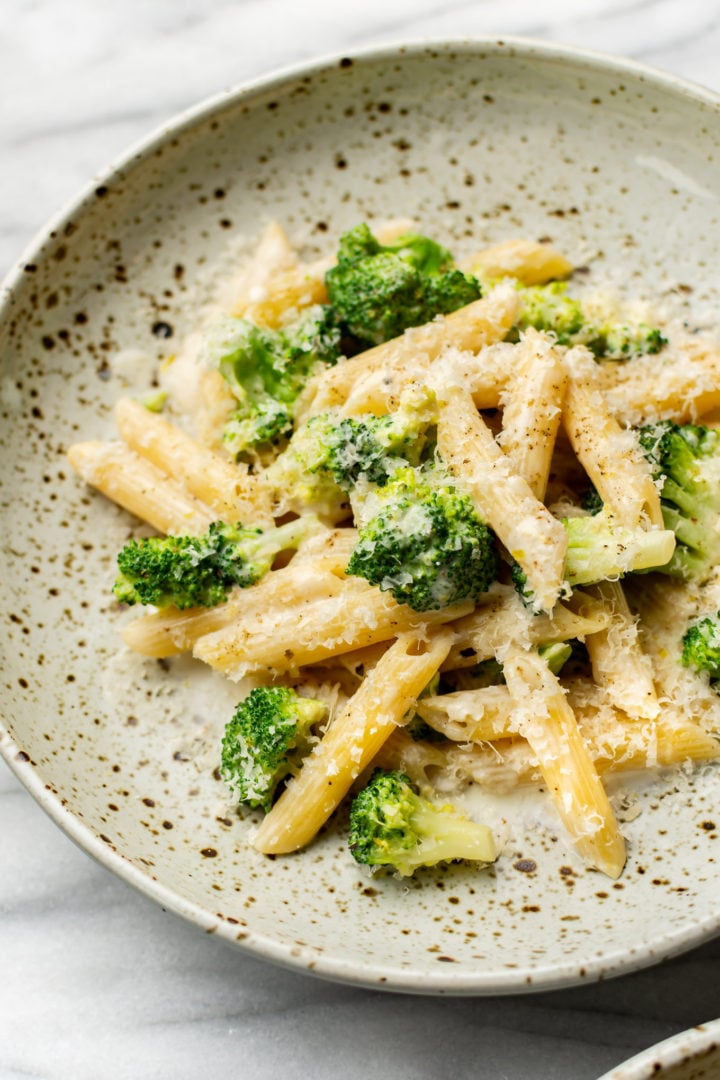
column 233, row 493
column 545, row 719
column 503, row 617
column 526, row 260
column 484, row 321
column 353, row 739
column 140, row 487
column 680, row 384
column 359, row 615
column 532, row 407
column 618, row 661
column 534, row 538
column 610, row 455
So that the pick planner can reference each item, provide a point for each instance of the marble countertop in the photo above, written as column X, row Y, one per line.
column 98, row 982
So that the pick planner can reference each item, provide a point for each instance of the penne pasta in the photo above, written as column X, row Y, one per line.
column 505, row 764
column 483, row 715
column 288, row 292
column 533, row 537
column 618, row 661
column 481, row 323
column 544, row 717
column 611, row 455
column 681, row 385
column 352, row 741
column 527, row 261
column 357, row 616
column 532, row 409
column 215, row 406
column 139, row 487
column 229, row 489
column 274, row 256
column 503, row 617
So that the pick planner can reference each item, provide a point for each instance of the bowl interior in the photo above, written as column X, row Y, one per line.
column 477, row 142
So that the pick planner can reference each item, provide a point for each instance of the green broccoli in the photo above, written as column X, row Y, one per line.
column 591, row 500
column 701, row 646
column 266, row 371
column 266, row 740
column 622, row 342
column 556, row 654
column 329, row 455
column 549, row 308
column 486, row 673
column 421, row 539
column 154, row 401
column 392, row 826
column 600, row 550
column 578, row 662
column 414, row 725
column 199, row 571
column 686, row 460
column 490, row 672
column 379, row 290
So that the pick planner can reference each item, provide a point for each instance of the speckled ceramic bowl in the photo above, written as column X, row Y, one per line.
column 478, row 141
column 691, row 1055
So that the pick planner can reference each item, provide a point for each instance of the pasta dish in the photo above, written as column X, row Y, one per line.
column 445, row 525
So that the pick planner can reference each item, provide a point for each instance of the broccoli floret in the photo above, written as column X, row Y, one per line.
column 154, row 400
column 329, row 455
column 487, row 673
column 199, row 571
column 701, row 646
column 420, row 731
column 686, row 460
column 591, row 500
column 266, row 370
column 391, row 825
column 378, row 290
column 266, row 739
column 622, row 342
column 556, row 655
column 421, row 539
column 372, row 448
column 549, row 308
column 600, row 550
column 490, row 672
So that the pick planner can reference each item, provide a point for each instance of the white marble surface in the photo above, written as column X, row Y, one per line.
column 95, row 981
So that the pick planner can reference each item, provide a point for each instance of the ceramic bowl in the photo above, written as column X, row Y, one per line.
column 478, row 141
column 691, row 1055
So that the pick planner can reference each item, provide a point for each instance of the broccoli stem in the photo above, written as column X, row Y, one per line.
column 444, row 836
column 267, row 545
column 599, row 551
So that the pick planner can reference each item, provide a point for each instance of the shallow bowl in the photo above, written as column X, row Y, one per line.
column 478, row 141
column 692, row 1055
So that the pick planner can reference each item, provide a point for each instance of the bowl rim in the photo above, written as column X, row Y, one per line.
column 679, row 1049
column 352, row 972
